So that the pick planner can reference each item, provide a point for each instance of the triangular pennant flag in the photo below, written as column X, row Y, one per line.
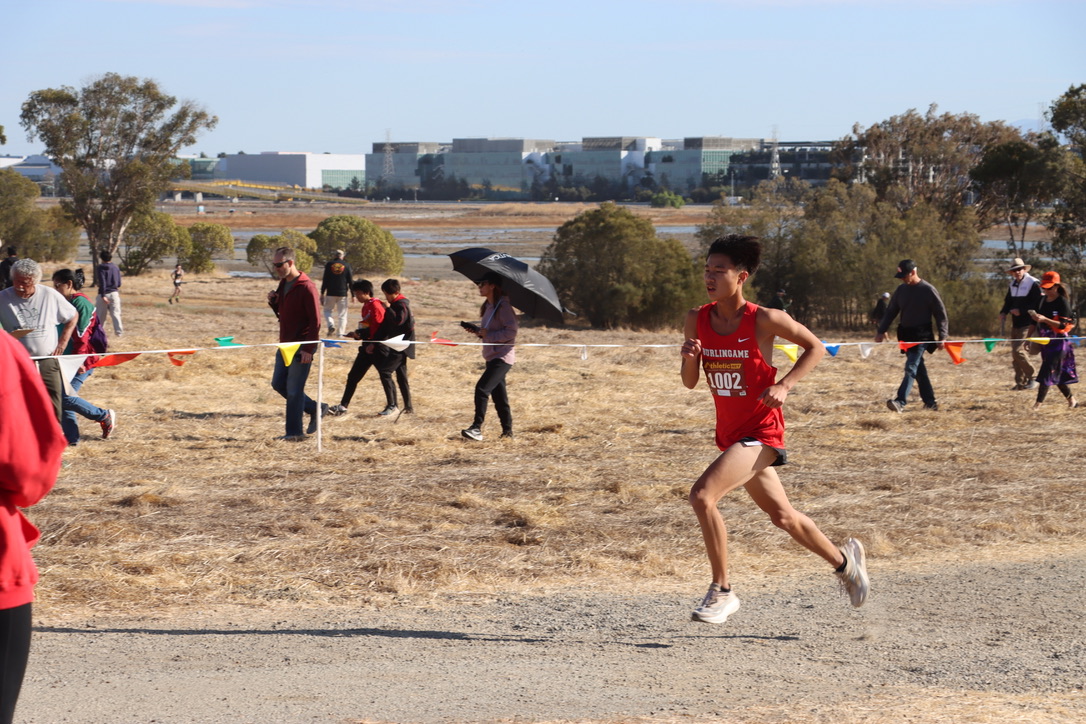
column 227, row 342
column 584, row 352
column 397, row 343
column 831, row 348
column 989, row 344
column 790, row 350
column 907, row 345
column 178, row 356
column 331, row 343
column 866, row 348
column 111, row 360
column 288, row 350
column 69, row 366
column 434, row 339
column 954, row 349
column 1039, row 340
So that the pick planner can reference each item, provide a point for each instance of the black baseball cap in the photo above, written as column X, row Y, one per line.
column 904, row 267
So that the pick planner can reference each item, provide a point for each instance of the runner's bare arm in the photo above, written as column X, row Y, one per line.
column 774, row 323
column 691, row 351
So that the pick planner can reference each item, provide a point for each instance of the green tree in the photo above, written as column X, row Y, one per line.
column 1017, row 180
column 115, row 139
column 150, row 238
column 57, row 239
column 261, row 249
column 615, row 271
column 367, row 246
column 18, row 216
column 1067, row 222
column 915, row 158
column 663, row 199
column 207, row 240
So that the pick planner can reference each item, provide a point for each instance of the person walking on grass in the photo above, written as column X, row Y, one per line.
column 498, row 329
column 1023, row 294
column 373, row 313
column 68, row 283
column 42, row 320
column 398, row 320
column 108, row 278
column 297, row 305
column 918, row 303
column 1055, row 319
column 335, row 292
column 732, row 340
column 177, row 274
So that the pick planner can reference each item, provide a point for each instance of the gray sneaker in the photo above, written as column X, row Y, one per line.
column 472, row 433
column 716, row 606
column 895, row 406
column 854, row 577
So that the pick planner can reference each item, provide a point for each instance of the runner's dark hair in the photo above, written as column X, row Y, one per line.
column 66, row 276
column 744, row 251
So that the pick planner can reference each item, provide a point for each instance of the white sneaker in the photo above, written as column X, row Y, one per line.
column 716, row 606
column 854, row 577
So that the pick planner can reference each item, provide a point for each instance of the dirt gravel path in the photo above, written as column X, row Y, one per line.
column 993, row 641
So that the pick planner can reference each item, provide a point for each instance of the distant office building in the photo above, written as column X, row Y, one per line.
column 305, row 170
column 699, row 159
column 507, row 166
column 618, row 159
column 806, row 160
column 401, row 164
column 39, row 169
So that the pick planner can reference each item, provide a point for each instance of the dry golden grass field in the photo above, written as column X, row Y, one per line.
column 193, row 499
column 193, row 504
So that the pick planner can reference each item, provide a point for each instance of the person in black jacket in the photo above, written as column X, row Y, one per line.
column 335, row 291
column 398, row 320
column 1023, row 294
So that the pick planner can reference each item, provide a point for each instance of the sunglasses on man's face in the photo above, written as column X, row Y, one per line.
column 278, row 264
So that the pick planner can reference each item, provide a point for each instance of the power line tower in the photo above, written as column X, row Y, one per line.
column 388, row 171
column 775, row 156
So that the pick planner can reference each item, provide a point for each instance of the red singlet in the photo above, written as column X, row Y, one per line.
column 738, row 374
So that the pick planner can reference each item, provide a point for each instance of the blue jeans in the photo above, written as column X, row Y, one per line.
column 74, row 403
column 290, row 383
column 915, row 370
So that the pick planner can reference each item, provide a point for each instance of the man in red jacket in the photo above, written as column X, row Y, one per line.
column 30, row 446
column 297, row 305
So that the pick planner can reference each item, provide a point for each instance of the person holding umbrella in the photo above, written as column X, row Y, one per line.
column 498, row 329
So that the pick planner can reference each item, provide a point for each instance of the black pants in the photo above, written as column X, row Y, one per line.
column 1042, row 391
column 14, row 651
column 390, row 362
column 492, row 384
column 361, row 366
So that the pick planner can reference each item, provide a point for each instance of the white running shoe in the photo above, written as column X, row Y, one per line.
column 854, row 577
column 716, row 606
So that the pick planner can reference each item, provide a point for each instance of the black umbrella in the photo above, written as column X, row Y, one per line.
column 528, row 290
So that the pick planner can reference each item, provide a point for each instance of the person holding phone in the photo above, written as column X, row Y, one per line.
column 498, row 329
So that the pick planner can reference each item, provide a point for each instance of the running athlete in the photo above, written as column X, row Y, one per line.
column 733, row 340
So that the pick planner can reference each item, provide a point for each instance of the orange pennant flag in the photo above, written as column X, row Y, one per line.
column 111, row 360
column 907, row 345
column 954, row 349
column 434, row 339
column 178, row 357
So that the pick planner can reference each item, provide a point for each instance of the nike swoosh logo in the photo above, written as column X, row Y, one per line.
column 744, row 339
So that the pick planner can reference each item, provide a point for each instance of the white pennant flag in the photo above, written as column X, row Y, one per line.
column 69, row 367
column 397, row 343
column 866, row 348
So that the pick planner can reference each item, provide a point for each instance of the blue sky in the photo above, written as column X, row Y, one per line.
column 335, row 75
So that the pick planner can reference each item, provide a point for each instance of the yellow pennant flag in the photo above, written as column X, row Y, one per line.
column 790, row 350
column 288, row 351
column 1040, row 340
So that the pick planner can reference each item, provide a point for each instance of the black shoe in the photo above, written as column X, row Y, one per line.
column 409, row 410
column 507, row 433
column 390, row 410
column 933, row 406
